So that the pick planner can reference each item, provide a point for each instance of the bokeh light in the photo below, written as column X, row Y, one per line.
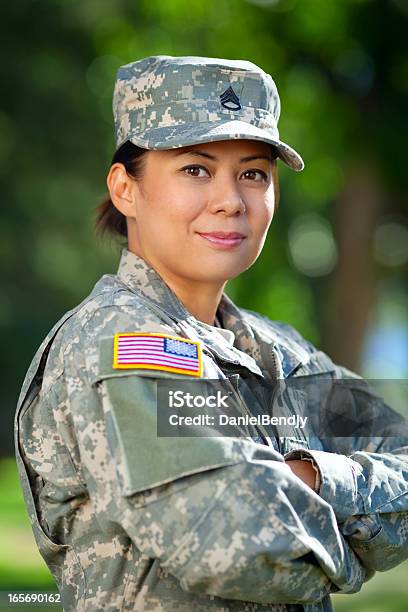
column 391, row 244
column 311, row 245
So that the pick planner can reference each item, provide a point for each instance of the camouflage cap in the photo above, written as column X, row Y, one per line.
column 166, row 102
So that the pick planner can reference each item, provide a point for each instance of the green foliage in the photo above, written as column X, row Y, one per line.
column 21, row 566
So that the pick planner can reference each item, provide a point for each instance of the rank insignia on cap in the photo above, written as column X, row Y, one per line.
column 156, row 351
column 230, row 100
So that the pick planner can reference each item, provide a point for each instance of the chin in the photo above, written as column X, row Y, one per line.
column 216, row 273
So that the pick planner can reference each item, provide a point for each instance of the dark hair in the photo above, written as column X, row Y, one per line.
column 110, row 219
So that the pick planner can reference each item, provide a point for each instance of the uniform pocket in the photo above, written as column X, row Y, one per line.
column 143, row 458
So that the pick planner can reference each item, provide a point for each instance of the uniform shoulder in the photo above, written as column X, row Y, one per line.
column 109, row 309
column 283, row 333
column 111, row 299
column 112, row 306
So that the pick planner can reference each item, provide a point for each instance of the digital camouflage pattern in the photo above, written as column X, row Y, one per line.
column 165, row 102
column 129, row 521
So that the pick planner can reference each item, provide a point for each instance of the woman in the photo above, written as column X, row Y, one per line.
column 127, row 519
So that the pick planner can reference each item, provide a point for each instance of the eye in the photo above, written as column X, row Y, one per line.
column 195, row 171
column 253, row 171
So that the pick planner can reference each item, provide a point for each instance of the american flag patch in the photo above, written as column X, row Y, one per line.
column 155, row 351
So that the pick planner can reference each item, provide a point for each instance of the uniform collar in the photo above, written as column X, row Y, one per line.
column 138, row 275
column 263, row 339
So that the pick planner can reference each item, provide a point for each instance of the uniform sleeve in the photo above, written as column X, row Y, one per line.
column 365, row 479
column 226, row 517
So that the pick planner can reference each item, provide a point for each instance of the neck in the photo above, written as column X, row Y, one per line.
column 201, row 299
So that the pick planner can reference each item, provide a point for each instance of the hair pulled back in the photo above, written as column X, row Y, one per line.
column 108, row 218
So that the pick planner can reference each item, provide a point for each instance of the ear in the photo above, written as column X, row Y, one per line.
column 121, row 190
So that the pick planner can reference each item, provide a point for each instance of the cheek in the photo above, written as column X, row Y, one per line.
column 262, row 216
column 166, row 206
column 176, row 205
column 270, row 202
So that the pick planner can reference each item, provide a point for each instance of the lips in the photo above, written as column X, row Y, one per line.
column 223, row 239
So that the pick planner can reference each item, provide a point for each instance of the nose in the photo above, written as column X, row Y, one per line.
column 227, row 198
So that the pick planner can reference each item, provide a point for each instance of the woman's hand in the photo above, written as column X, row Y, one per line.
column 303, row 470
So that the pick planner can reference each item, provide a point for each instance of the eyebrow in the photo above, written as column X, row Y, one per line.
column 197, row 153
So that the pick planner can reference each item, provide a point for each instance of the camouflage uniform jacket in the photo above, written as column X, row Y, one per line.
column 126, row 520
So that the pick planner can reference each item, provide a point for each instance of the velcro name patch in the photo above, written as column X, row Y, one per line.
column 156, row 351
